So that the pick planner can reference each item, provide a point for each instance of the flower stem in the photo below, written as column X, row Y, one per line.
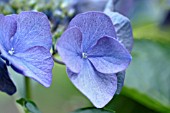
column 27, row 88
column 58, row 61
column 55, row 59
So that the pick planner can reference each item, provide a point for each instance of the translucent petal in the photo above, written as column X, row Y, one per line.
column 99, row 88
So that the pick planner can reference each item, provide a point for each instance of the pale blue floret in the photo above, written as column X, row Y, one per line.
column 93, row 55
column 25, row 42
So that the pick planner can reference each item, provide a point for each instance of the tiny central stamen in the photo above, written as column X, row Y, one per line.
column 84, row 55
column 11, row 52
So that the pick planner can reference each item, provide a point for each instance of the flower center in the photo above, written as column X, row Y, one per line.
column 11, row 52
column 84, row 55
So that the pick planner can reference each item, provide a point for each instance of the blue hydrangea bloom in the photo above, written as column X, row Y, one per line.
column 93, row 55
column 25, row 42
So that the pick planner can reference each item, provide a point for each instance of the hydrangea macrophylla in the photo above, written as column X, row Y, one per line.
column 93, row 55
column 25, row 42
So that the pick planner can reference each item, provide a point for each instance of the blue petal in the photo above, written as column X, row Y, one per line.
column 35, row 62
column 120, row 81
column 6, row 84
column 33, row 29
column 123, row 29
column 99, row 88
column 8, row 27
column 69, row 48
column 93, row 26
column 109, row 56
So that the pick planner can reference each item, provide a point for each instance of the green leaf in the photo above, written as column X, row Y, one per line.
column 147, row 78
column 152, row 32
column 28, row 105
column 92, row 110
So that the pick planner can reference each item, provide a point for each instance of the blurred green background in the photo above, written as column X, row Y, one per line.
column 147, row 82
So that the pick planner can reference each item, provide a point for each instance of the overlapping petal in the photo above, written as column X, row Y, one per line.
column 123, row 29
column 98, row 87
column 36, row 63
column 109, row 56
column 69, row 48
column 93, row 25
column 8, row 27
column 6, row 84
column 33, row 29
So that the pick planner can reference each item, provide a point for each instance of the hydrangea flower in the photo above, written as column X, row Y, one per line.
column 25, row 42
column 94, row 55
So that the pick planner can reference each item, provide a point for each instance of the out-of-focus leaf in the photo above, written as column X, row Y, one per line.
column 152, row 32
column 92, row 110
column 29, row 106
column 149, row 74
column 142, row 11
column 124, row 104
column 147, row 12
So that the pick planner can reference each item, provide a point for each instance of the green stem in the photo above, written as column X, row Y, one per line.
column 27, row 88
